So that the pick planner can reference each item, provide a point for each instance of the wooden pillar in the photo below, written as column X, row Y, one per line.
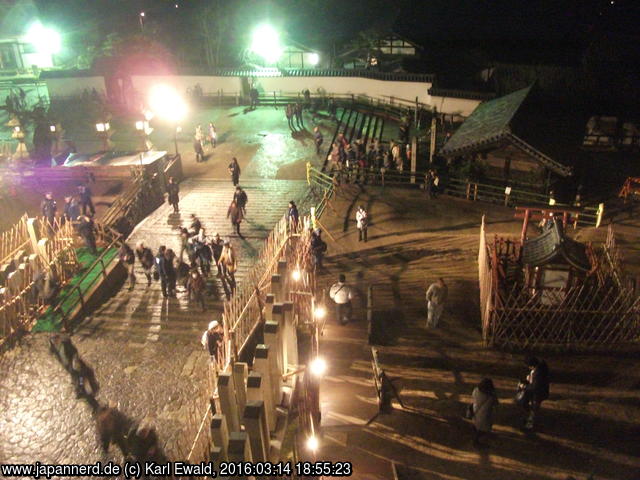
column 268, row 307
column 34, row 235
column 41, row 249
column 255, row 425
column 240, row 373
column 256, row 392
column 273, row 338
column 228, row 401
column 240, row 450
column 220, row 434
column 276, row 287
column 292, row 336
column 278, row 317
column 264, row 362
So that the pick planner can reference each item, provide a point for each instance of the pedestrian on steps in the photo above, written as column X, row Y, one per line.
column 170, row 272
column 318, row 138
column 196, row 287
column 241, row 199
column 234, row 171
column 342, row 295
column 145, row 257
column 173, row 194
column 216, row 249
column 228, row 264
column 161, row 272
column 128, row 259
column 86, row 231
column 293, row 216
column 235, row 214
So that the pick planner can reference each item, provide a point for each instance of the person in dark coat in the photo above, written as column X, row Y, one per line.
column 161, row 270
column 197, row 147
column 170, row 270
column 241, row 199
column 86, row 202
column 318, row 247
column 71, row 210
column 318, row 139
column 86, row 231
column 293, row 216
column 484, row 402
column 298, row 113
column 235, row 214
column 145, row 257
column 537, row 388
column 234, row 171
column 216, row 245
column 196, row 287
column 173, row 194
column 48, row 207
column 128, row 259
column 196, row 225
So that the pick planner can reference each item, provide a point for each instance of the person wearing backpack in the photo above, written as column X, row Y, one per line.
column 362, row 222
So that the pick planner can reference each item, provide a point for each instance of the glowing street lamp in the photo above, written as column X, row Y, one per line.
column 318, row 366
column 314, row 59
column 266, row 43
column 312, row 443
column 319, row 312
column 296, row 275
column 45, row 40
column 102, row 129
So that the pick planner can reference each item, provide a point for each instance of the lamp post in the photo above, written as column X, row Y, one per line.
column 141, row 17
column 178, row 130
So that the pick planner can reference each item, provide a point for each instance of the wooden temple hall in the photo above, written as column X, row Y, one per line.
column 551, row 291
column 511, row 143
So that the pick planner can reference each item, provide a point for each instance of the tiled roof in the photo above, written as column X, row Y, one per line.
column 554, row 247
column 490, row 126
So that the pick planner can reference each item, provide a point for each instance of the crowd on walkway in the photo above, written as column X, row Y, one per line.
column 202, row 138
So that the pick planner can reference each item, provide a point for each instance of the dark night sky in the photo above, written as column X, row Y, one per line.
column 495, row 25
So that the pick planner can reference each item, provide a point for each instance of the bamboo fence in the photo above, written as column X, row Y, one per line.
column 14, row 240
column 599, row 314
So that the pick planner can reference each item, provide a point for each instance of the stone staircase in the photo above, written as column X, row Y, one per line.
column 143, row 315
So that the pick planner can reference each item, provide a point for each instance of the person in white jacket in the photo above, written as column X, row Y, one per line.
column 342, row 294
column 362, row 222
column 436, row 297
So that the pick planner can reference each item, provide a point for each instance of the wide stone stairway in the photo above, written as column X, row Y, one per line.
column 143, row 315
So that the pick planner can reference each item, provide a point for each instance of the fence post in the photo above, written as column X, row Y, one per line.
column 475, row 192
column 600, row 214
column 308, row 173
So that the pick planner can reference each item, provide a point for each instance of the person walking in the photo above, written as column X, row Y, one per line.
column 241, row 199
column 293, row 216
column 86, row 202
column 228, row 264
column 536, row 388
column 342, row 295
column 298, row 114
column 173, row 194
column 185, row 246
column 161, row 271
column 196, row 287
column 48, row 207
column 318, row 138
column 197, row 148
column 170, row 272
column 428, row 184
column 318, row 248
column 484, row 403
column 289, row 112
column 145, row 257
column 213, row 135
column 362, row 223
column 86, row 231
column 212, row 340
column 216, row 245
column 436, row 297
column 195, row 226
column 128, row 259
column 234, row 171
column 235, row 214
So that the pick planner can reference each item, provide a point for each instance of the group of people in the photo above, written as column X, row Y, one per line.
column 293, row 112
column 361, row 155
column 200, row 139
column 531, row 392
column 78, row 209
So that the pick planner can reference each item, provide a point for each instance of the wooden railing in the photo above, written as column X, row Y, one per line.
column 14, row 240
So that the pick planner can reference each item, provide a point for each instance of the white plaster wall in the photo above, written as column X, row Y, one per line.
column 181, row 83
column 73, row 87
column 454, row 106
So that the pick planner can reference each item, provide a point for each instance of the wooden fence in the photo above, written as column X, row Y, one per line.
column 14, row 240
column 600, row 314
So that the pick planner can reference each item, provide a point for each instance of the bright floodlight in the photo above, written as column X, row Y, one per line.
column 295, row 275
column 319, row 312
column 45, row 40
column 312, row 443
column 318, row 366
column 266, row 43
column 314, row 58
column 166, row 103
